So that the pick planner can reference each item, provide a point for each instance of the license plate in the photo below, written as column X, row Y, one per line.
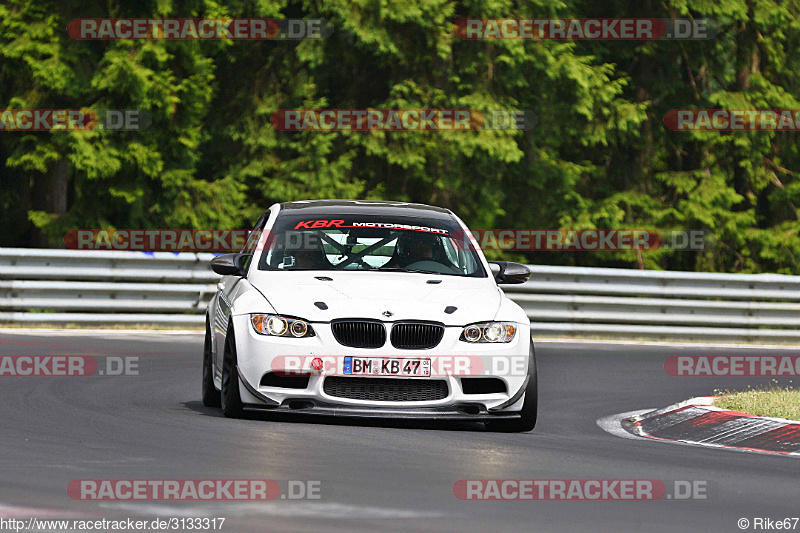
column 379, row 366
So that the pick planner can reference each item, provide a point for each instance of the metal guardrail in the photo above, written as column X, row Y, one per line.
column 73, row 286
column 69, row 286
column 618, row 303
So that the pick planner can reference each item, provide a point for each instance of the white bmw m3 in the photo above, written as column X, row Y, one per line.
column 368, row 309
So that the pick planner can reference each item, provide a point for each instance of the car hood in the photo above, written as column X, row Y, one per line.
column 407, row 296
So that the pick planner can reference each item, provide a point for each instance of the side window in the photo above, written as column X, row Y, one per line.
column 249, row 248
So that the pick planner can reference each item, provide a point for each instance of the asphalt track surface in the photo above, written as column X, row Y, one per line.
column 376, row 476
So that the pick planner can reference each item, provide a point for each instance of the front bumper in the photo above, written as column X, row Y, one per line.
column 260, row 354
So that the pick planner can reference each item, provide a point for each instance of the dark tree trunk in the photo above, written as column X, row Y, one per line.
column 49, row 194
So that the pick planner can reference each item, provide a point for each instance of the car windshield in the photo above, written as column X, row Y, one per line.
column 370, row 243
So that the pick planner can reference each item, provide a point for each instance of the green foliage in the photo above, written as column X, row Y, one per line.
column 599, row 156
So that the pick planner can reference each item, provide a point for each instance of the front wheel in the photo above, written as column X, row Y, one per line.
column 211, row 396
column 528, row 414
column 232, row 406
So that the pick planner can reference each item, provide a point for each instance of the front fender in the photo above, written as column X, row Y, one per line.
column 246, row 299
column 510, row 311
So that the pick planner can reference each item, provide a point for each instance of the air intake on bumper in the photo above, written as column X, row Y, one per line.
column 386, row 389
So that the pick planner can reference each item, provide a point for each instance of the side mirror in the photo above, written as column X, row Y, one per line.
column 511, row 273
column 228, row 265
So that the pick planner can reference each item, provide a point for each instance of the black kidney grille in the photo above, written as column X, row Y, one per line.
column 386, row 389
column 359, row 333
column 416, row 336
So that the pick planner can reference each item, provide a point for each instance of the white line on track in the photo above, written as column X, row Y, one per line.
column 284, row 509
column 613, row 424
column 667, row 344
column 18, row 511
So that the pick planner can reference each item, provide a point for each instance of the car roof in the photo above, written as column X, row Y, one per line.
column 366, row 207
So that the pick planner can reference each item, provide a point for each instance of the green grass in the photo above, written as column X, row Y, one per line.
column 773, row 401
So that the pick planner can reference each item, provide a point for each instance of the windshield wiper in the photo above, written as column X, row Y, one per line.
column 414, row 270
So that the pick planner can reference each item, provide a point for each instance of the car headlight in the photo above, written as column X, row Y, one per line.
column 281, row 326
column 489, row 332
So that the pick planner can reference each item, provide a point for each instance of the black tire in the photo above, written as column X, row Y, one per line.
column 211, row 396
column 530, row 404
column 232, row 406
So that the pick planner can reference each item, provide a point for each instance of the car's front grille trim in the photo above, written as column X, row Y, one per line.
column 361, row 333
column 416, row 335
column 386, row 389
